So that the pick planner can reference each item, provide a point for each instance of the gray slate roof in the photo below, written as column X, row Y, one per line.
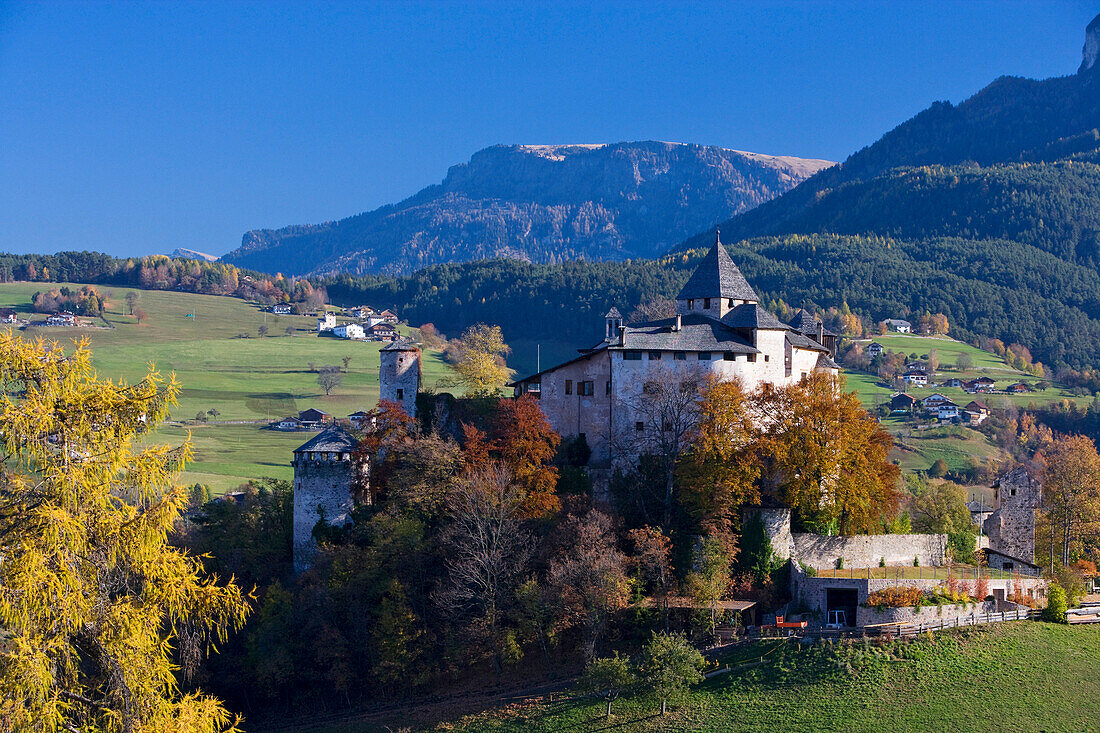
column 334, row 439
column 751, row 315
column 400, row 345
column 803, row 322
column 697, row 333
column 717, row 277
column 613, row 313
column 824, row 362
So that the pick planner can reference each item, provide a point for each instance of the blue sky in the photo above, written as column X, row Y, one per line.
column 135, row 128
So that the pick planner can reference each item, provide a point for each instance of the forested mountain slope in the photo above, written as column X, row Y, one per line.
column 538, row 203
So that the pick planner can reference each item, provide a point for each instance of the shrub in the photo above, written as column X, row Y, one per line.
column 1055, row 612
column 916, row 561
column 882, row 562
column 840, row 563
column 901, row 596
column 981, row 588
column 938, row 469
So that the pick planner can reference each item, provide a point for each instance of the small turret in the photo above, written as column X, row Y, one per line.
column 613, row 320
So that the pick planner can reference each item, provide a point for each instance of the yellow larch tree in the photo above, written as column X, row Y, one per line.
column 97, row 610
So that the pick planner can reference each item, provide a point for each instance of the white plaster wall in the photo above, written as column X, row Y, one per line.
column 399, row 370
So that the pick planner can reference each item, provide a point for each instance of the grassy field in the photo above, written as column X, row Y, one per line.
column 1021, row 676
column 247, row 380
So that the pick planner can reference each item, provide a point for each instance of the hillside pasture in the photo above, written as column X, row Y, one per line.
column 212, row 345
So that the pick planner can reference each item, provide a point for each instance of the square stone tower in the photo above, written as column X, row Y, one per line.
column 1011, row 528
column 399, row 374
column 324, row 477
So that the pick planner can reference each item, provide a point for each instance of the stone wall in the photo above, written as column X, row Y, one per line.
column 777, row 527
column 322, row 488
column 867, row 551
column 399, row 377
column 1011, row 528
column 925, row 615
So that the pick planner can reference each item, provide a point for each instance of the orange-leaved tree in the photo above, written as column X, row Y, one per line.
column 826, row 456
column 526, row 444
column 718, row 473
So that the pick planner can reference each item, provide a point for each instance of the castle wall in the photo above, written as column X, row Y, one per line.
column 322, row 489
column 576, row 413
column 1011, row 528
column 867, row 551
column 399, row 378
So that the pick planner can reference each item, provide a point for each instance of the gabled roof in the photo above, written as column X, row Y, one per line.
column 717, row 277
column 824, row 362
column 752, row 315
column 334, row 439
column 974, row 406
column 697, row 333
column 312, row 410
column 803, row 322
column 613, row 313
column 802, row 342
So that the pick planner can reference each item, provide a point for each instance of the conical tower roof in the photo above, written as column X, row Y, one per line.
column 717, row 277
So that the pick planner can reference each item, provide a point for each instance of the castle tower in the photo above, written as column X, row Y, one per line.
column 324, row 476
column 716, row 287
column 1011, row 528
column 399, row 374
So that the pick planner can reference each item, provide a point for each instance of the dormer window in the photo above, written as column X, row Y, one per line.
column 691, row 304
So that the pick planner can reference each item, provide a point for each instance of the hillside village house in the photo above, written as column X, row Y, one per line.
column 349, row 331
column 875, row 350
column 312, row 417
column 389, row 316
column 953, row 382
column 947, row 411
column 288, row 424
column 916, row 378
column 896, row 324
column 362, row 311
column 935, row 400
column 902, row 402
column 327, row 322
column 7, row 315
column 359, row 419
column 281, row 309
column 981, row 384
column 975, row 412
column 65, row 318
column 1018, row 388
column 382, row 332
column 720, row 330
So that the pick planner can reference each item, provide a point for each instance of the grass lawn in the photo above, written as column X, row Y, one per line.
column 1021, row 676
column 251, row 380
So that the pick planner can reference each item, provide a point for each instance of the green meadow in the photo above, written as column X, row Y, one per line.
column 212, row 345
column 1021, row 676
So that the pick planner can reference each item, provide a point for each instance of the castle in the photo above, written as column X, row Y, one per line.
column 325, row 469
column 719, row 329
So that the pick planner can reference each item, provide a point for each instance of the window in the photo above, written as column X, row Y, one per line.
column 655, row 356
column 651, row 388
column 1008, row 566
column 632, row 356
column 400, row 394
column 639, row 426
column 729, row 356
column 569, row 386
column 608, row 388
column 706, row 304
column 731, row 302
column 1014, row 492
column 691, row 304
column 704, row 356
column 752, row 357
column 680, row 356
column 766, row 357
column 585, row 388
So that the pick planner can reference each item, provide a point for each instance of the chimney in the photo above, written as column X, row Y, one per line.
column 679, row 323
column 622, row 335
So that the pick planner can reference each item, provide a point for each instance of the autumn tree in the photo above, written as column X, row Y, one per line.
column 718, row 473
column 132, row 299
column 652, row 560
column 386, row 428
column 96, row 607
column 486, row 551
column 526, row 444
column 826, row 456
column 396, row 638
column 666, row 409
column 589, row 577
column 1071, row 493
column 479, row 360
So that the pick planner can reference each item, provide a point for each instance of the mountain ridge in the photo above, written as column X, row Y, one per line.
column 542, row 203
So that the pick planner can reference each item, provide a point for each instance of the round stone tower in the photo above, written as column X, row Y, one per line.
column 399, row 374
column 324, row 476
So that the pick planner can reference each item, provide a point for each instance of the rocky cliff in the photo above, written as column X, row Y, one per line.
column 542, row 203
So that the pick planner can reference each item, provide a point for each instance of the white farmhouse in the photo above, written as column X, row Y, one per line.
column 326, row 322
column 349, row 331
